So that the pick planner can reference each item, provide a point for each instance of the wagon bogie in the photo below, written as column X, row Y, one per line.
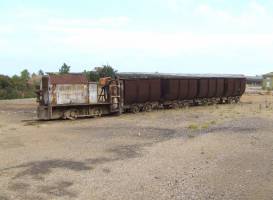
column 148, row 107
column 135, row 108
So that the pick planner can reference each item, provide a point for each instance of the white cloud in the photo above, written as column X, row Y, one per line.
column 252, row 15
column 21, row 12
column 156, row 43
column 109, row 34
column 177, row 6
column 173, row 5
column 88, row 22
column 6, row 29
column 257, row 8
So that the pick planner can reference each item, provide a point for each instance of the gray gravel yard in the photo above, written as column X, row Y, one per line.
column 205, row 152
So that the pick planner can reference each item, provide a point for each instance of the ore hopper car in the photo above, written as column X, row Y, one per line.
column 144, row 92
column 71, row 96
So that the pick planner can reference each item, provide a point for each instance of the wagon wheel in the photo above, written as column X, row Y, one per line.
column 98, row 112
column 213, row 102
column 70, row 114
column 229, row 101
column 237, row 100
column 205, row 102
column 175, row 106
column 148, row 108
column 74, row 114
column 184, row 105
column 135, row 109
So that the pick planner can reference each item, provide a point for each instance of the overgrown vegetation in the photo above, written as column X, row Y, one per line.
column 26, row 84
column 23, row 86
column 98, row 72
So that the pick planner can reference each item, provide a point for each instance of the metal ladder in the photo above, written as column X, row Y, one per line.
column 115, row 99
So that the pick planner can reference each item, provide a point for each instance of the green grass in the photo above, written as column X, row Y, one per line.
column 193, row 127
column 205, row 125
column 212, row 122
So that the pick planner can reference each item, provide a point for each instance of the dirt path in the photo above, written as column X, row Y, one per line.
column 213, row 152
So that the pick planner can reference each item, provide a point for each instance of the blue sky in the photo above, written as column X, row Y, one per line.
column 177, row 36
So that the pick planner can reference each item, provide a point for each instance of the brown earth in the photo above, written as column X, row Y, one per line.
column 206, row 152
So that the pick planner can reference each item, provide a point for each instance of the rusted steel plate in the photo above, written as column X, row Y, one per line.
column 243, row 86
column 67, row 79
column 220, row 87
column 203, row 88
column 174, row 88
column 69, row 94
column 93, row 93
column 155, row 89
column 212, row 87
column 193, row 89
column 237, row 87
column 229, row 87
column 183, row 89
column 130, row 91
column 170, row 89
column 143, row 91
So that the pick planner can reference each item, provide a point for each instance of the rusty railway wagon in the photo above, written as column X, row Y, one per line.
column 71, row 96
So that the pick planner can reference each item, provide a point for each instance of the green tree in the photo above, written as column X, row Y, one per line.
column 17, row 86
column 7, row 90
column 40, row 72
column 25, row 75
column 100, row 72
column 65, row 69
column 92, row 75
column 106, row 71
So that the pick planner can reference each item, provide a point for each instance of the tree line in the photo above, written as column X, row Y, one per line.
column 25, row 85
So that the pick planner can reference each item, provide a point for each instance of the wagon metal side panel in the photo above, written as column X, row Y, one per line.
column 243, row 86
column 192, row 89
column 183, row 88
column 93, row 93
column 220, row 87
column 144, row 90
column 237, row 87
column 170, row 89
column 155, row 92
column 174, row 89
column 69, row 94
column 229, row 87
column 212, row 87
column 130, row 91
column 141, row 90
column 203, row 88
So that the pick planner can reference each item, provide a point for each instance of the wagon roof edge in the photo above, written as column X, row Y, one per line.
column 67, row 78
column 130, row 75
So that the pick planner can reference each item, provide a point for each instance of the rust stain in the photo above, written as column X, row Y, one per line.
column 67, row 79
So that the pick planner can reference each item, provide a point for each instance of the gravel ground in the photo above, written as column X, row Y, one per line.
column 208, row 152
